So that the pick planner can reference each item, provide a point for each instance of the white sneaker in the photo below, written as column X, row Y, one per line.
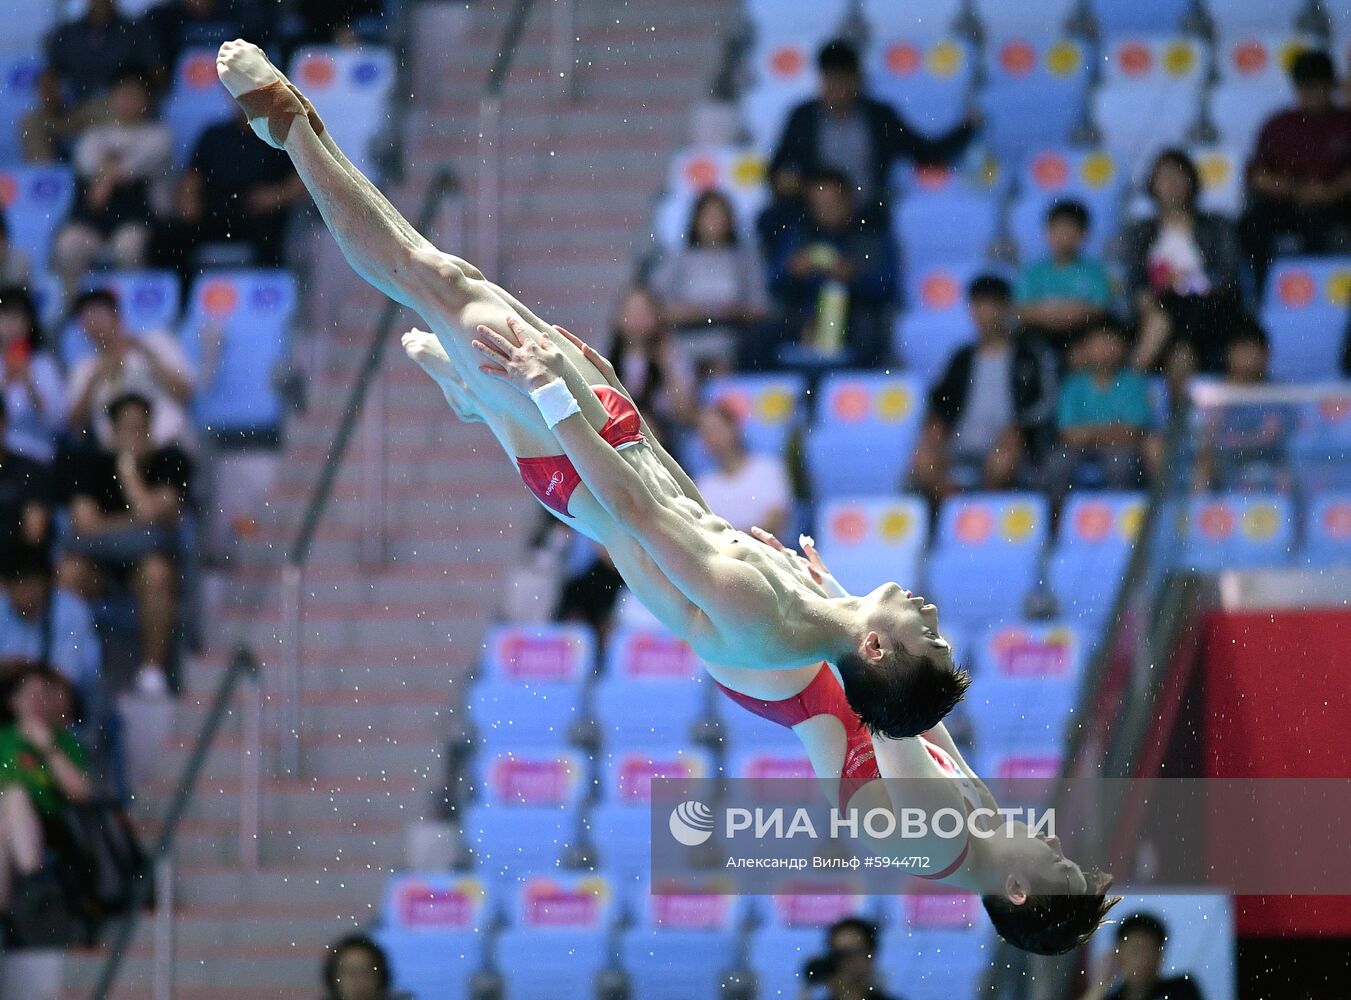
column 151, row 682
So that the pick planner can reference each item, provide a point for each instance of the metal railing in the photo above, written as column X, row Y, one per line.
column 157, row 875
column 445, row 184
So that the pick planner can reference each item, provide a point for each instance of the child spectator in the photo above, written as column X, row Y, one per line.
column 1242, row 445
column 116, row 163
column 31, row 385
column 1059, row 295
column 88, row 53
column 992, row 409
column 744, row 488
column 713, row 288
column 1103, row 418
column 126, row 507
column 151, row 364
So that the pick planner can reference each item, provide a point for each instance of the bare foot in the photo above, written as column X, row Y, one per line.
column 244, row 67
column 425, row 349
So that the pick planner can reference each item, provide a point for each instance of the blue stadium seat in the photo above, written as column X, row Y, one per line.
column 934, row 946
column 1320, row 446
column 770, row 406
column 927, row 80
column 626, row 774
column 531, row 690
column 926, row 341
column 867, row 542
column 350, row 88
column 243, row 319
column 783, row 69
column 36, row 201
column 1027, row 227
column 559, row 653
column 1157, row 16
column 1000, row 19
column 1093, row 177
column 433, row 926
column 1239, row 531
column 932, row 19
column 1093, row 547
column 18, row 92
column 1234, row 17
column 1031, row 650
column 196, row 101
column 558, row 941
column 1304, row 310
column 940, row 289
column 27, row 23
column 945, row 228
column 648, row 712
column 738, row 172
column 148, row 300
column 619, row 825
column 1017, row 716
column 1238, row 110
column 809, row 19
column 1222, row 170
column 1263, row 58
column 1034, row 93
column 865, row 431
column 986, row 559
column 514, row 840
column 682, row 946
column 1327, row 531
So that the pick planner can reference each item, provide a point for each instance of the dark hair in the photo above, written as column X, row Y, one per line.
column 989, row 286
column 1071, row 210
column 122, row 401
column 1146, row 922
column 4, row 224
column 1177, row 158
column 19, row 298
column 866, row 928
column 709, row 196
column 838, row 56
column 655, row 377
column 1312, row 66
column 903, row 694
column 130, row 76
column 1052, row 924
column 725, row 412
column 1106, row 324
column 830, row 176
column 17, row 678
column 21, row 559
column 94, row 297
column 1250, row 332
column 379, row 961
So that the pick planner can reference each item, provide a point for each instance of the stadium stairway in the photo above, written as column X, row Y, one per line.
column 385, row 646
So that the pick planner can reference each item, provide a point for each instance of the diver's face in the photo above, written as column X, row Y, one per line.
column 907, row 619
column 1039, row 866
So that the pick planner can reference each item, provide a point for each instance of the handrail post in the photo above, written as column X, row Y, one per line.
column 250, row 776
column 292, row 618
column 163, row 961
column 489, row 194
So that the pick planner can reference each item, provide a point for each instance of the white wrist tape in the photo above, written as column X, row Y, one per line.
column 828, row 583
column 555, row 402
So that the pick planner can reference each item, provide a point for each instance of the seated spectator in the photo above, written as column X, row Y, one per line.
column 116, row 163
column 651, row 364
column 1060, row 295
column 235, row 188
column 749, row 490
column 1242, row 445
column 848, row 971
column 333, row 22
column 25, row 495
column 126, row 508
column 42, row 768
column 1137, row 964
column 151, row 364
column 992, row 410
column 713, row 288
column 845, row 131
column 40, row 623
column 31, row 385
column 88, row 53
column 14, row 266
column 589, row 596
column 1299, row 177
column 835, row 278
column 356, row 969
column 1103, row 419
column 172, row 26
column 1182, row 275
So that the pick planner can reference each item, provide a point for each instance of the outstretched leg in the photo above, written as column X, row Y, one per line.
column 425, row 349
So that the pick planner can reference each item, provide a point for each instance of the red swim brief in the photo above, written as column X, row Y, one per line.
column 552, row 478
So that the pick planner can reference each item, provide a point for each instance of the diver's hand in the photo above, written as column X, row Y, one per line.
column 520, row 359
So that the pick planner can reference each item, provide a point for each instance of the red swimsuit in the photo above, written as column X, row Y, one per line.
column 824, row 695
column 552, row 478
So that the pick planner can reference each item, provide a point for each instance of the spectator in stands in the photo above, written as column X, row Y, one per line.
column 127, row 504
column 25, row 495
column 45, row 624
column 356, row 968
column 844, row 130
column 1061, row 294
column 991, row 412
column 116, row 163
column 42, row 768
column 1103, row 419
column 590, row 595
column 713, row 288
column 88, row 53
column 324, row 22
column 1299, row 177
column 1182, row 276
column 31, row 384
column 151, row 363
column 1242, row 445
column 1137, row 962
column 747, row 489
column 835, row 278
column 235, row 188
column 651, row 363
column 851, row 956
column 14, row 266
column 175, row 25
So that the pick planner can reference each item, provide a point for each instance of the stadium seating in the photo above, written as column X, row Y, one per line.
column 19, row 75
column 525, row 811
column 807, row 19
column 770, row 407
column 1327, row 531
column 196, row 101
column 531, row 690
column 1234, row 17
column 1115, row 16
column 927, row 80
column 792, row 931
column 350, row 88
column 1258, row 59
column 1001, row 19
column 925, row 341
column 1150, row 97
column 652, row 693
column 1222, row 170
column 558, row 939
column 1305, row 311
column 36, row 201
column 1320, row 444
column 864, row 434
column 433, row 927
column 942, row 228
column 736, row 171
column 1092, row 177
column 935, row 946
column 238, row 329
column 1034, row 93
column 1091, row 552
column 1238, row 531
column 869, row 542
column 933, row 19
column 987, row 555
column 683, row 945
column 784, row 73
column 27, row 23
column 1238, row 110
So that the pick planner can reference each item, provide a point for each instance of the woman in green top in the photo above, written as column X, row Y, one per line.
column 42, row 768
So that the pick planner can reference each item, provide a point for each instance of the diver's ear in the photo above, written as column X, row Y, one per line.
column 1015, row 891
column 872, row 647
